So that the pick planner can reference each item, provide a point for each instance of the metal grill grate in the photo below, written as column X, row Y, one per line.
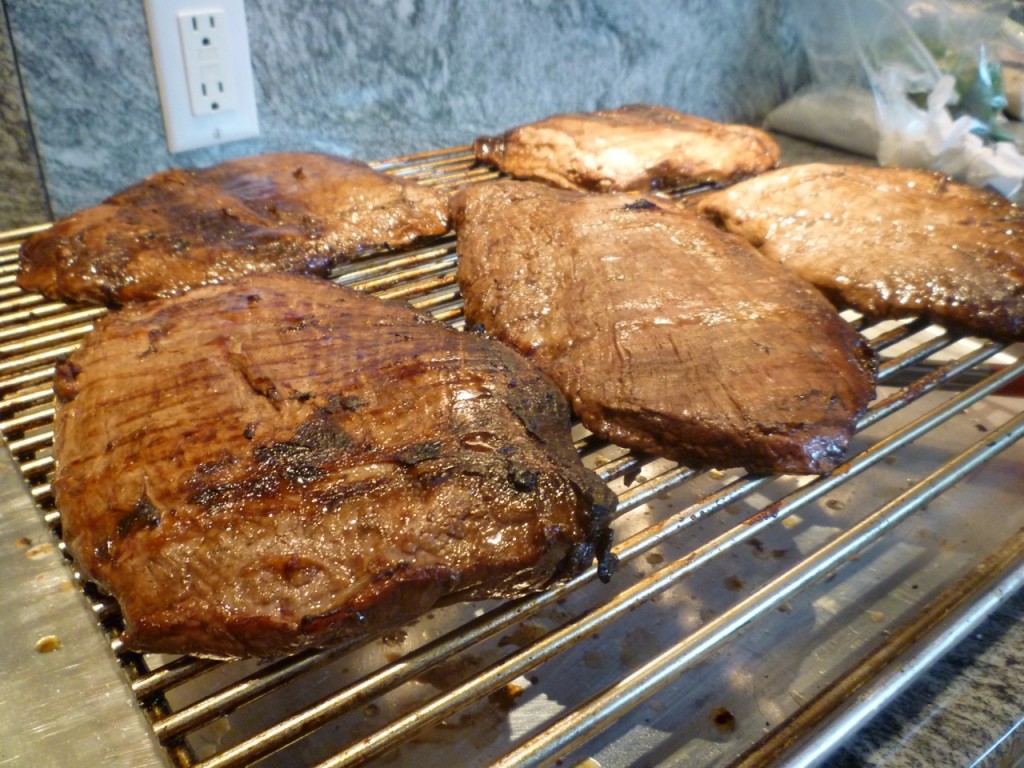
column 747, row 613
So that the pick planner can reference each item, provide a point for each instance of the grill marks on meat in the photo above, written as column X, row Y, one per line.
column 633, row 148
column 278, row 212
column 297, row 464
column 666, row 334
column 889, row 242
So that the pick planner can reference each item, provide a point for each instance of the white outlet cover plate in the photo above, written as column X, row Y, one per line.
column 185, row 129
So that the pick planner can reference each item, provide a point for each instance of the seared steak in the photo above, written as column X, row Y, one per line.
column 666, row 334
column 635, row 148
column 889, row 242
column 286, row 212
column 280, row 463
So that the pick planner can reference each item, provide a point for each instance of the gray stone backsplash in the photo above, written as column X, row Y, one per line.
column 23, row 200
column 377, row 78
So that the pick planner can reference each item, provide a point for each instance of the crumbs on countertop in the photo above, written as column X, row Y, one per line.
column 48, row 644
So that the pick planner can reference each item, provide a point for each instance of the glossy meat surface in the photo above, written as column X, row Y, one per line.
column 633, row 148
column 666, row 334
column 889, row 242
column 279, row 212
column 256, row 468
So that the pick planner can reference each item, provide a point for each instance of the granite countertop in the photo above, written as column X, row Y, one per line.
column 966, row 710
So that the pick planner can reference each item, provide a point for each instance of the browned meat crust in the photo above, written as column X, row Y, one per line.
column 666, row 334
column 889, row 242
column 633, row 148
column 283, row 212
column 280, row 463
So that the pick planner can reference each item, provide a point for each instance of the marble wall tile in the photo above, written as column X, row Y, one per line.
column 23, row 200
column 381, row 78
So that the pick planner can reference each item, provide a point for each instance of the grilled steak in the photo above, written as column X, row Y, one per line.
column 889, row 242
column 634, row 148
column 280, row 463
column 286, row 212
column 666, row 334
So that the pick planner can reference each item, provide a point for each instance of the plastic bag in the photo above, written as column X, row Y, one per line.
column 915, row 83
column 1011, row 56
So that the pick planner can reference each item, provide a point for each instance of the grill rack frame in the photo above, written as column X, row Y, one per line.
column 35, row 333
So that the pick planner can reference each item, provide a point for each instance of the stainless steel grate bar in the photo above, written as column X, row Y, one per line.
column 40, row 322
column 9, row 309
column 40, row 417
column 362, row 274
column 46, row 357
column 27, row 400
column 170, row 675
column 23, row 232
column 37, row 442
column 33, row 377
column 9, row 291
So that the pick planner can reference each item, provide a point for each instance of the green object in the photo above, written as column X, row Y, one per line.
column 979, row 81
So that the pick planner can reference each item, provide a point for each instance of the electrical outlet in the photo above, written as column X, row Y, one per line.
column 204, row 74
column 208, row 71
